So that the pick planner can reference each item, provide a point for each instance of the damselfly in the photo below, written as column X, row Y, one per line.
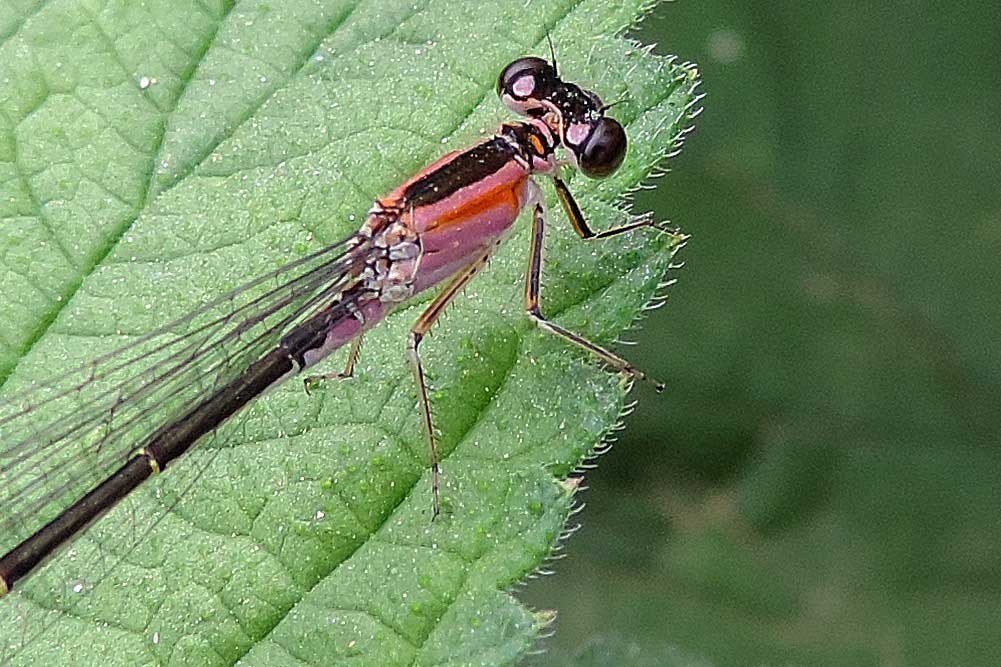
column 439, row 226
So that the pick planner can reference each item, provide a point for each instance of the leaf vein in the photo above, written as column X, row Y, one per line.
column 20, row 23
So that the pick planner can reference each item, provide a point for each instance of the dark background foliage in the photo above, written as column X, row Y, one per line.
column 819, row 485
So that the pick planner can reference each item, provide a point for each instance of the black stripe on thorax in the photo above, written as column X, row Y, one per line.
column 464, row 169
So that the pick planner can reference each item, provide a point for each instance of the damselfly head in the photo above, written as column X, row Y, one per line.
column 596, row 143
column 531, row 87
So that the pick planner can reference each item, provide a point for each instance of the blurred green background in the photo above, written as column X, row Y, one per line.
column 820, row 483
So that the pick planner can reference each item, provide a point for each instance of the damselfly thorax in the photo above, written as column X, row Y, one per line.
column 447, row 216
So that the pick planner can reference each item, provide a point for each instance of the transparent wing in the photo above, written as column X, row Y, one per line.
column 62, row 436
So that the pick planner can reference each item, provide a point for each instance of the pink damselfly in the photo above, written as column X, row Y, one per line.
column 439, row 226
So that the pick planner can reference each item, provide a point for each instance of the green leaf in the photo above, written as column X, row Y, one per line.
column 155, row 155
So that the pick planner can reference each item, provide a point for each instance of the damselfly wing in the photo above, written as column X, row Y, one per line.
column 130, row 413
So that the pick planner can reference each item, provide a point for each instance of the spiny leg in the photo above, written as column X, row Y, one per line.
column 532, row 281
column 417, row 332
column 349, row 368
column 580, row 225
column 353, row 352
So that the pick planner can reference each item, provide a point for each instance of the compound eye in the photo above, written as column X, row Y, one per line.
column 603, row 150
column 524, row 82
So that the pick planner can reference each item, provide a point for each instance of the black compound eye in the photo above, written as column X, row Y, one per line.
column 603, row 150
column 525, row 80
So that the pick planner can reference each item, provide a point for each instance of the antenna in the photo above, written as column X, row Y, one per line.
column 606, row 107
column 552, row 52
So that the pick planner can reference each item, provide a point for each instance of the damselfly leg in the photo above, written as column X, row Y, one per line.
column 354, row 350
column 578, row 222
column 532, row 306
column 417, row 332
column 349, row 366
column 533, row 281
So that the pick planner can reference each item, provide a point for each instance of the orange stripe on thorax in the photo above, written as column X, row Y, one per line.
column 504, row 194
